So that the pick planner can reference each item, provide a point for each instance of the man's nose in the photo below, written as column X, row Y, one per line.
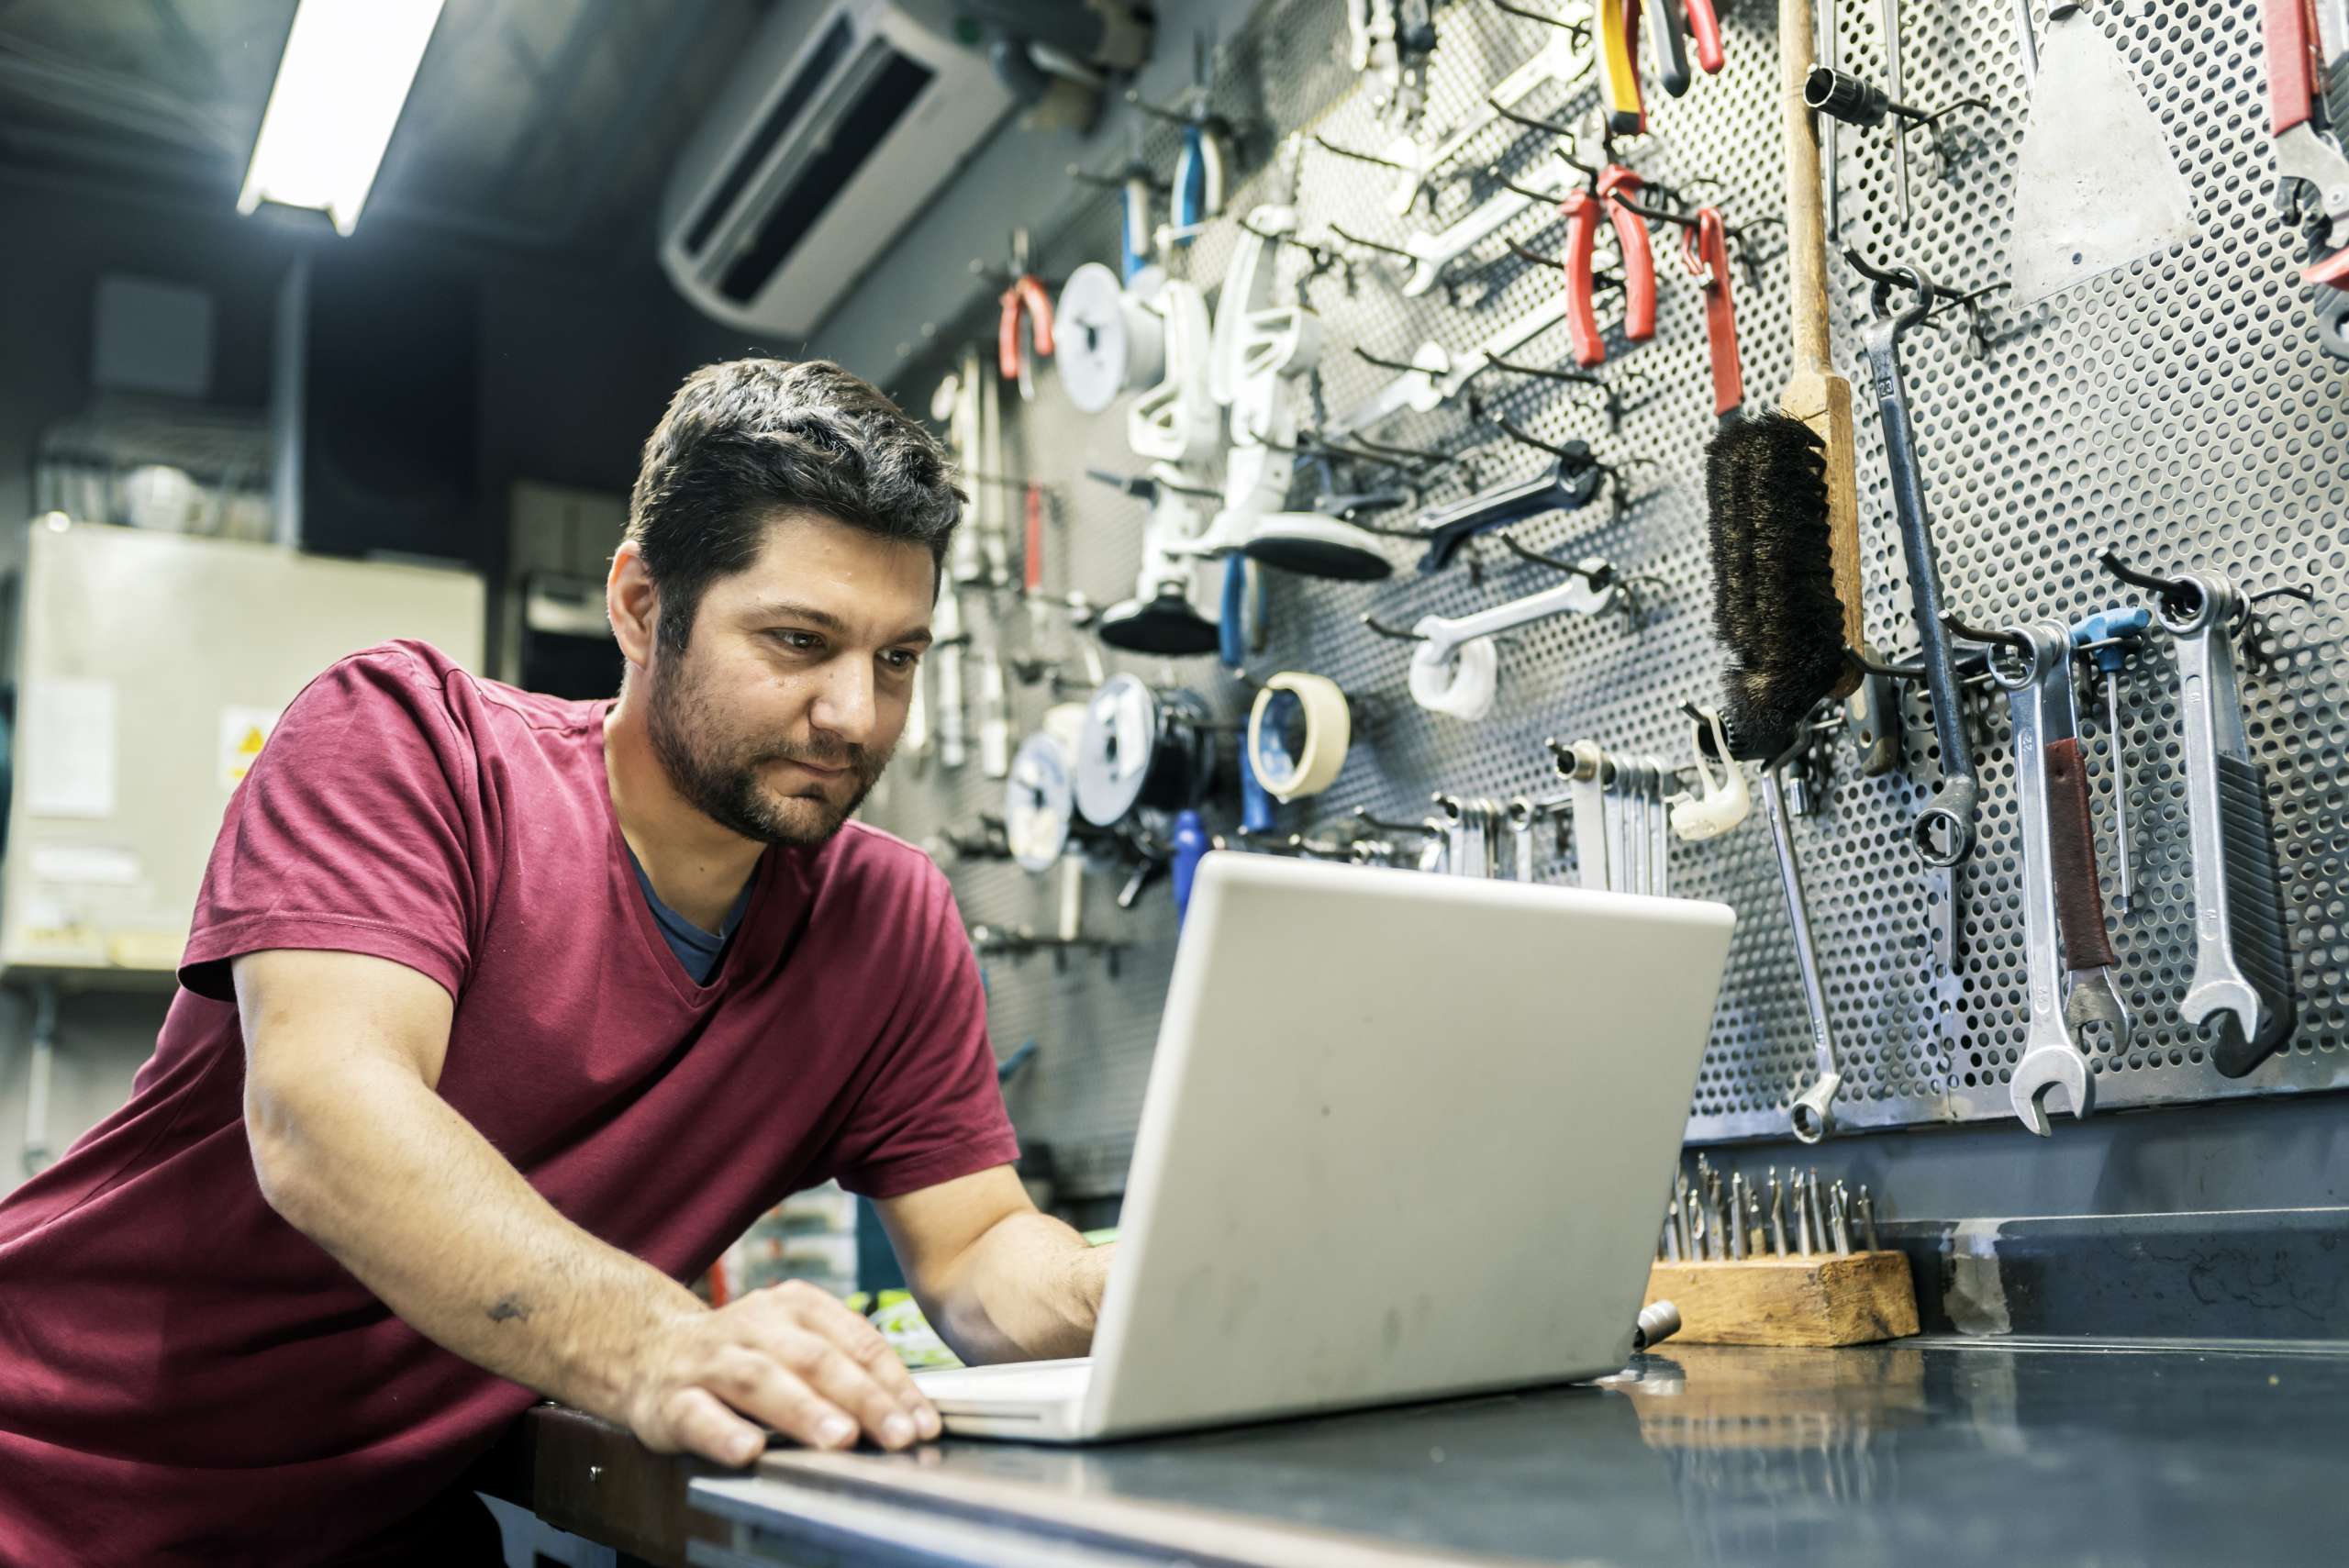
column 845, row 707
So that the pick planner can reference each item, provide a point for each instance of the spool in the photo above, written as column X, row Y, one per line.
column 1141, row 749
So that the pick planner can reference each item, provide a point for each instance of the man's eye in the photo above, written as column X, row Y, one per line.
column 901, row 659
column 800, row 641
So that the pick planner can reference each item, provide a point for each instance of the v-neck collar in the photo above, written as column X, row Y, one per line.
column 620, row 864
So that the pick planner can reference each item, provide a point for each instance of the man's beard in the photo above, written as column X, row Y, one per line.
column 718, row 775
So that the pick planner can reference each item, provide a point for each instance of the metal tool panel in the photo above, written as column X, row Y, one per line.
column 2177, row 410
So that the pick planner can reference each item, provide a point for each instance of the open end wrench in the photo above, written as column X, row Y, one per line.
column 2039, row 693
column 1813, row 1111
column 2243, row 956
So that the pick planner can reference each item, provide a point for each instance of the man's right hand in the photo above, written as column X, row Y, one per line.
column 791, row 1357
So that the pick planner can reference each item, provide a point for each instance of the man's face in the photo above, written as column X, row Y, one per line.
column 792, row 687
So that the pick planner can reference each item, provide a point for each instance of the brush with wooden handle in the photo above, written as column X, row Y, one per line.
column 1782, row 504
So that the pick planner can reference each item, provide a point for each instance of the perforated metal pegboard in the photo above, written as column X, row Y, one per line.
column 2178, row 410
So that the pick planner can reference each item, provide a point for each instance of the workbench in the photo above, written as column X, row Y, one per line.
column 1924, row 1452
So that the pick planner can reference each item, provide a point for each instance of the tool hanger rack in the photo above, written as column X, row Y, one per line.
column 2178, row 410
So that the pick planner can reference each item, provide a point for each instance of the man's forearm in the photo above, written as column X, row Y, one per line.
column 1027, row 1289
column 408, row 1194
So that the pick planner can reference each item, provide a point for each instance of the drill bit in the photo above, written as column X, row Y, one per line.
column 1778, row 1216
column 1841, row 1209
column 1759, row 1243
column 1737, row 1215
column 1818, row 1212
column 1868, row 1218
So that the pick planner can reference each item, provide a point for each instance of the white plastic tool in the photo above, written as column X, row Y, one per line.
column 1455, row 669
column 1179, row 427
column 1720, row 802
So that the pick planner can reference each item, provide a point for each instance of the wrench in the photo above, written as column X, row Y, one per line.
column 1585, row 768
column 2242, row 955
column 1560, row 60
column 2039, row 693
column 1659, row 857
column 1944, row 830
column 1431, row 254
column 1814, row 1110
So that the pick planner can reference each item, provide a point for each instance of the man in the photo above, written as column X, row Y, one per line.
column 502, row 1014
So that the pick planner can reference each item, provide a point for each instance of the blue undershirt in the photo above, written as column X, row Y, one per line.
column 698, row 949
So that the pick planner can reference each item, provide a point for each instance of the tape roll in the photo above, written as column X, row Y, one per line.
column 1298, row 734
column 1461, row 685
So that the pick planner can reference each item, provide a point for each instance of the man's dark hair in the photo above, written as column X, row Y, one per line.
column 745, row 440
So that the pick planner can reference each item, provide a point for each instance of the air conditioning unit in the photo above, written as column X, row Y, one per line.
column 843, row 120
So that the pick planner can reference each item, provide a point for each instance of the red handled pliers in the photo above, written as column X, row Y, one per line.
column 1704, row 251
column 1581, row 210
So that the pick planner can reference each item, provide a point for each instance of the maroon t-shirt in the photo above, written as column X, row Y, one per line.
column 185, row 1378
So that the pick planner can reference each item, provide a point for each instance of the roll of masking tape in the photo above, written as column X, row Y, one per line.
column 1460, row 683
column 1298, row 734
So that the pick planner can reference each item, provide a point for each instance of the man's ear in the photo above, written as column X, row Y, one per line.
column 632, row 604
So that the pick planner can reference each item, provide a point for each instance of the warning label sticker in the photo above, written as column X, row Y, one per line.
column 243, row 733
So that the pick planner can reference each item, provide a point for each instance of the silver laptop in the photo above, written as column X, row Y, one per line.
column 1406, row 1136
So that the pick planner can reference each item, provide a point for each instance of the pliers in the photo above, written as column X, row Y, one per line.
column 1581, row 209
column 1668, row 26
column 2308, row 157
column 1025, row 298
column 1704, row 251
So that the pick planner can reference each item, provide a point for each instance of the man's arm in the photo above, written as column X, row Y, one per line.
column 999, row 1280
column 353, row 1147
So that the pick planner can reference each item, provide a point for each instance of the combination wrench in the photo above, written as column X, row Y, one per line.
column 2051, row 788
column 2242, row 955
column 1813, row 1111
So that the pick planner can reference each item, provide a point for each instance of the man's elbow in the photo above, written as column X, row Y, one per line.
column 285, row 1163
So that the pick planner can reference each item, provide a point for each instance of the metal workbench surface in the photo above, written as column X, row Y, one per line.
column 1922, row 1454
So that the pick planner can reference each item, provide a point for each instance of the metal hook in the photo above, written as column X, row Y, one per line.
column 1597, row 579
column 1322, row 258
column 1353, row 238
column 1573, row 451
column 1326, row 145
column 1581, row 31
column 1653, row 214
column 1372, row 623
column 2178, row 595
column 1580, row 378
column 1405, row 366
column 2013, row 640
column 1493, row 172
column 1531, row 122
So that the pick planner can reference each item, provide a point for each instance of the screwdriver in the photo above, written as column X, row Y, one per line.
column 2107, row 636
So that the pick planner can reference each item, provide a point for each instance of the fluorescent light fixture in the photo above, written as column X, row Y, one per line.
column 345, row 71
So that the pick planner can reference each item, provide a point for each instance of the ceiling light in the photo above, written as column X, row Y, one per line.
column 345, row 71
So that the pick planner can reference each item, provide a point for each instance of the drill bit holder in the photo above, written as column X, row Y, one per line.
column 1809, row 1272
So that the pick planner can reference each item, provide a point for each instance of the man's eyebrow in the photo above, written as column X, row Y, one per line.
column 785, row 609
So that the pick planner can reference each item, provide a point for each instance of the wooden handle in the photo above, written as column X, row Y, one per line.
column 1815, row 394
column 1806, row 209
column 2071, row 835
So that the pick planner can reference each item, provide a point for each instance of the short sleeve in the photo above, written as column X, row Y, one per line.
column 931, row 1110
column 353, row 832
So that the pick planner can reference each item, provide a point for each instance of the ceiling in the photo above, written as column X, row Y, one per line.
column 536, row 125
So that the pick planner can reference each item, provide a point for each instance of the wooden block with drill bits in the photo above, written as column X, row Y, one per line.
column 1779, row 1261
